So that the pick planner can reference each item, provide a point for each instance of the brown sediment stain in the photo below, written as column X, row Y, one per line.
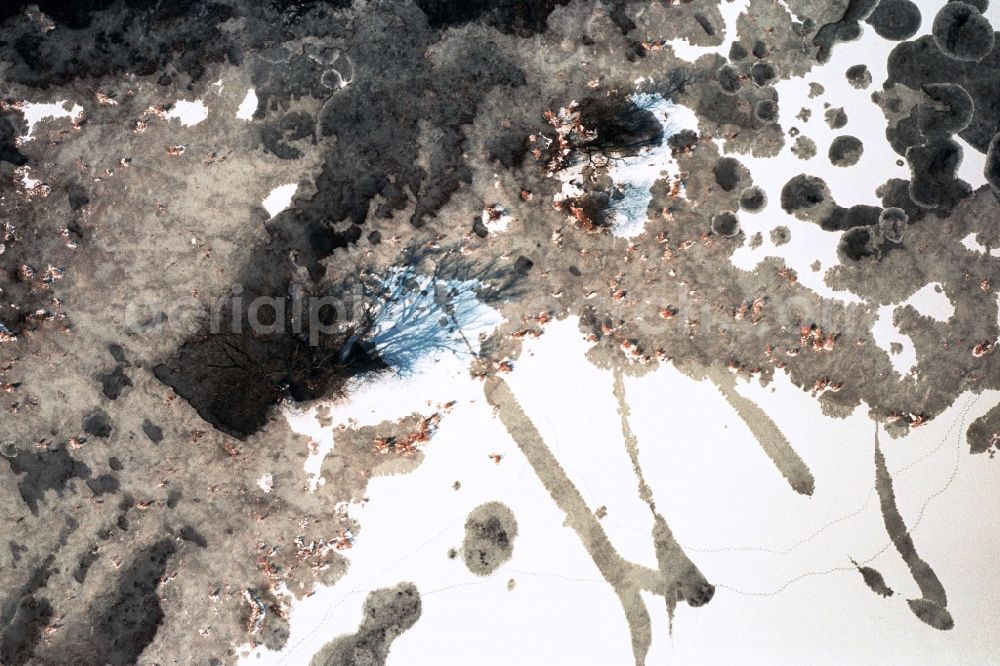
column 388, row 612
column 771, row 439
column 688, row 583
column 676, row 578
column 931, row 609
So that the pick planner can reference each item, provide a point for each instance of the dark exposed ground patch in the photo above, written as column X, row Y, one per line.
column 83, row 564
column 233, row 379
column 920, row 62
column 984, row 433
column 892, row 223
column 97, row 423
column 950, row 113
column 962, row 33
column 859, row 76
column 388, row 612
column 933, row 174
column 728, row 173
column 845, row 151
column 23, row 632
column 763, row 73
column 729, row 79
column 766, row 111
column 753, row 199
column 804, row 193
column 726, row 224
column 858, row 243
column 490, row 531
column 804, row 148
column 47, row 469
column 516, row 17
column 114, row 382
column 846, row 29
column 781, row 235
column 621, row 126
column 125, row 621
column 895, row 19
column 836, row 118
column 152, row 431
column 104, row 484
column 991, row 171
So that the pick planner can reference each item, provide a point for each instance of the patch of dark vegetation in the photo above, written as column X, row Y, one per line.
column 753, row 199
column 933, row 168
column 513, row 17
column 895, row 193
column 859, row 76
column 188, row 533
column 22, row 633
column 278, row 136
column 728, row 173
column 682, row 141
column 892, row 223
column 766, row 111
column 836, row 118
column 113, row 383
column 77, row 195
column 99, row 37
column 904, row 134
column 152, row 431
column 97, row 423
column 729, row 79
column 847, row 29
column 962, row 33
column 803, row 193
column 83, row 564
column 763, row 73
column 120, row 626
column 46, row 469
column 895, row 20
column 388, row 612
column 726, row 224
column 705, row 24
column 981, row 5
column 8, row 148
column 845, row 151
column 104, row 484
column 917, row 63
column 490, row 530
column 858, row 243
column 950, row 113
